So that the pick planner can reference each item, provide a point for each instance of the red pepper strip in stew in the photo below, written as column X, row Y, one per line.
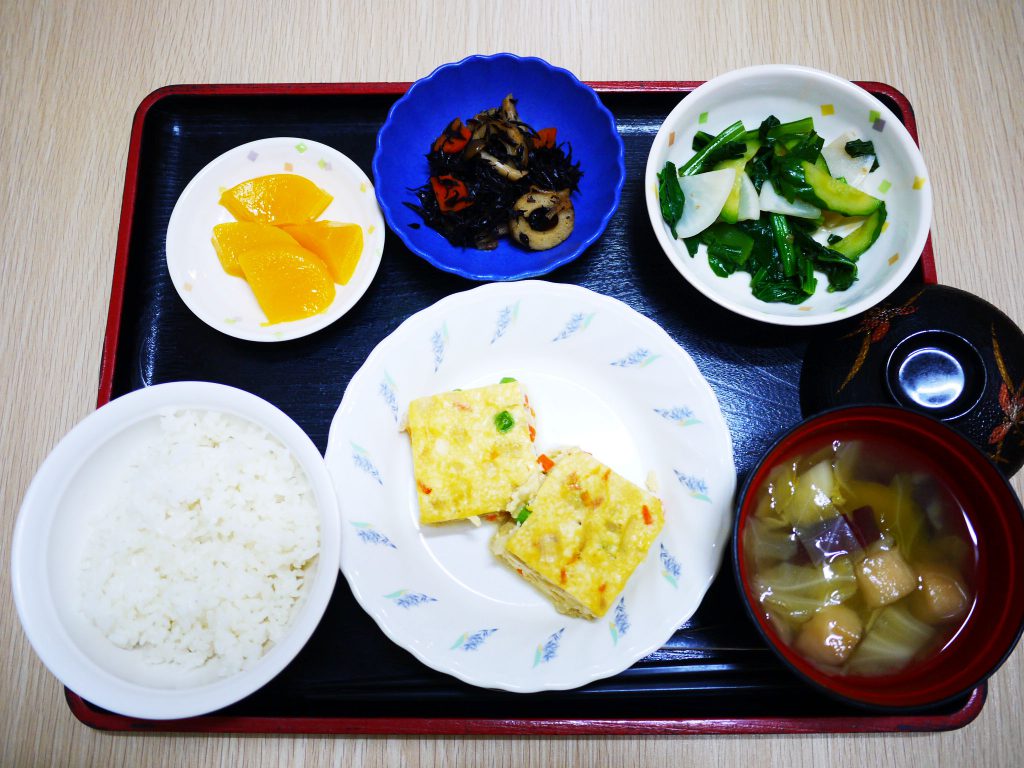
column 454, row 139
column 545, row 138
column 452, row 194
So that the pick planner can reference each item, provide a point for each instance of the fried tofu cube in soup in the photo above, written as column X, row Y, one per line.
column 830, row 636
column 884, row 577
column 940, row 597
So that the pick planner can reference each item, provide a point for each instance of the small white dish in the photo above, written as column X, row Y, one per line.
column 836, row 105
column 72, row 485
column 227, row 303
column 600, row 376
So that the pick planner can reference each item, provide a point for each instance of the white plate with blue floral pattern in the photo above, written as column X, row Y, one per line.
column 600, row 376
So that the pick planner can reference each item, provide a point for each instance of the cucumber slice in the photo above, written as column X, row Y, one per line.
column 772, row 202
column 835, row 195
column 731, row 210
column 705, row 195
column 863, row 237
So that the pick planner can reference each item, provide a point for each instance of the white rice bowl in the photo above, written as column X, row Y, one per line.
column 158, row 582
column 202, row 558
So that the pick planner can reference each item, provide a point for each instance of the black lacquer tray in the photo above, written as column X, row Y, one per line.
column 713, row 676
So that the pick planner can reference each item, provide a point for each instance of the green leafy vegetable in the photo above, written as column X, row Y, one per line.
column 701, row 139
column 808, row 147
column 788, row 252
column 504, row 421
column 758, row 171
column 697, row 163
column 784, row 260
column 731, row 150
column 840, row 270
column 729, row 239
column 769, row 124
column 803, row 125
column 670, row 195
column 771, row 128
column 523, row 513
column 728, row 247
column 860, row 148
column 506, row 380
column 789, row 180
column 778, row 292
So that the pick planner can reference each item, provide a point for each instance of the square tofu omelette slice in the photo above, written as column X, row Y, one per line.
column 584, row 531
column 470, row 450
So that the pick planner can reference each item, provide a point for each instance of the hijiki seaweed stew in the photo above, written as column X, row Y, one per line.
column 493, row 176
column 863, row 562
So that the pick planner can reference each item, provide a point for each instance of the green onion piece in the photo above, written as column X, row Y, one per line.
column 523, row 513
column 506, row 380
column 694, row 164
column 504, row 421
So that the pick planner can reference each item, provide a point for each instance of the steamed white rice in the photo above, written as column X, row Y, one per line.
column 204, row 556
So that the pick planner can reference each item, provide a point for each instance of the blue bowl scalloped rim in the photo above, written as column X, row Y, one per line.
column 548, row 96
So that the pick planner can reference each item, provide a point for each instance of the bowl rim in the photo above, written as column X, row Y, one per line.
column 61, row 654
column 481, row 276
column 903, row 139
column 773, row 643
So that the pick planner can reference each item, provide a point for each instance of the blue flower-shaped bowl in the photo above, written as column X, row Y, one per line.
column 548, row 97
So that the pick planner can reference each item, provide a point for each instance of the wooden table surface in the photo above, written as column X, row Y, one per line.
column 73, row 72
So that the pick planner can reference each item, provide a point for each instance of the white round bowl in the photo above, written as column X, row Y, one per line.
column 50, row 535
column 837, row 105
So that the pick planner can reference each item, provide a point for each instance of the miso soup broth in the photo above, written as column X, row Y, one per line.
column 863, row 562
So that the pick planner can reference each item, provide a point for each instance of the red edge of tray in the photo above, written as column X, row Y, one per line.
column 424, row 726
column 869, row 723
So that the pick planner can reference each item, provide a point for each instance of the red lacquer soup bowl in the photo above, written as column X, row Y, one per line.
column 881, row 556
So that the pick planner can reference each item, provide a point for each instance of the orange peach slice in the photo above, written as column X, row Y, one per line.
column 234, row 237
column 290, row 283
column 280, row 198
column 339, row 245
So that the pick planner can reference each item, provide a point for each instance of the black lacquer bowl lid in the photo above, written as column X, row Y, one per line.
column 933, row 349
